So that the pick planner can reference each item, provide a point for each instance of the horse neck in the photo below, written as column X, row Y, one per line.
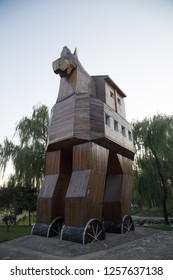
column 78, row 82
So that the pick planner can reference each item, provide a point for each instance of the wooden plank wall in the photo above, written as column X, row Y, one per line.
column 82, row 116
column 100, row 88
column 84, row 198
column 110, row 101
column 62, row 123
column 118, row 190
column 96, row 118
column 51, row 199
column 117, row 136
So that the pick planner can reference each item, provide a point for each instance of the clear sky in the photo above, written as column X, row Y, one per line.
column 130, row 40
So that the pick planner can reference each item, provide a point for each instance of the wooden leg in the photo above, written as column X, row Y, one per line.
column 51, row 199
column 84, row 197
column 118, row 192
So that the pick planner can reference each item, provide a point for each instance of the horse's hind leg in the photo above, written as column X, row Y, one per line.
column 118, row 192
column 51, row 199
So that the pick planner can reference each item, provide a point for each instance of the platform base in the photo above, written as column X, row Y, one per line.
column 126, row 225
column 93, row 232
column 73, row 234
column 40, row 229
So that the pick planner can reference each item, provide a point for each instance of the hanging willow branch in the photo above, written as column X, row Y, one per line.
column 154, row 158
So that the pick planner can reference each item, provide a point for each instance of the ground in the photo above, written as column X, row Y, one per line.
column 143, row 243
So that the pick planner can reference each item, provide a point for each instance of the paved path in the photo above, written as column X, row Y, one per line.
column 142, row 244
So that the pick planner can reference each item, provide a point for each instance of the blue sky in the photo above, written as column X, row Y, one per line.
column 130, row 40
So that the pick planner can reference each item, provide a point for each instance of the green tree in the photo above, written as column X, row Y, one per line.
column 25, row 199
column 27, row 157
column 153, row 139
column 6, row 197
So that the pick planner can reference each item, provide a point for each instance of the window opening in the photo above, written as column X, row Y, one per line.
column 123, row 131
column 116, row 126
column 107, row 119
column 119, row 101
column 130, row 135
column 111, row 94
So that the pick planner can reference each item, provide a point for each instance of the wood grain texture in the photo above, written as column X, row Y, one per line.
column 118, row 190
column 52, row 163
column 89, row 159
column 51, row 199
column 84, row 198
column 81, row 117
column 62, row 123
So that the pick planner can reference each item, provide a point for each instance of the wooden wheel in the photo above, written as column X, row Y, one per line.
column 93, row 232
column 127, row 224
column 55, row 227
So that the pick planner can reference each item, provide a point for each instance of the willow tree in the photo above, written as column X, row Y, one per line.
column 153, row 139
column 28, row 156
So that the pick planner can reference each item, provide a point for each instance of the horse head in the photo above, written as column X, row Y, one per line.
column 66, row 63
column 74, row 78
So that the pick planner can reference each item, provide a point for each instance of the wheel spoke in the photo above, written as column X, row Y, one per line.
column 58, row 228
column 55, row 227
column 127, row 224
column 93, row 230
column 129, row 227
column 55, row 231
column 94, row 240
column 90, row 234
column 99, row 233
column 97, row 229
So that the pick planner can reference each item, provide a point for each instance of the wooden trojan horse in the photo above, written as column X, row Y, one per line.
column 88, row 179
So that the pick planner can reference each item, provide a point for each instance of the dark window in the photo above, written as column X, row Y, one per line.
column 116, row 126
column 119, row 101
column 107, row 119
column 130, row 135
column 123, row 131
column 111, row 94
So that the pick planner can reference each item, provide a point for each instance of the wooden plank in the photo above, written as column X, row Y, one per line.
column 84, row 198
column 52, row 162
column 89, row 156
column 78, row 185
column 118, row 137
column 114, row 166
column 126, row 164
column 100, row 88
column 96, row 118
column 62, row 123
column 118, row 190
column 82, row 117
column 88, row 202
column 51, row 199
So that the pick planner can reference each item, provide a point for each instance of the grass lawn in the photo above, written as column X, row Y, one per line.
column 161, row 227
column 14, row 232
column 144, row 212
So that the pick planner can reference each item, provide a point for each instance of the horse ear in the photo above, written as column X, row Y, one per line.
column 65, row 51
column 75, row 52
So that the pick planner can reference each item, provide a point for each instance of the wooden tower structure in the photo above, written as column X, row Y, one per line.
column 88, row 179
